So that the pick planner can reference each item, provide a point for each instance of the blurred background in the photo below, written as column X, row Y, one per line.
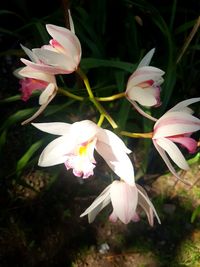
column 40, row 207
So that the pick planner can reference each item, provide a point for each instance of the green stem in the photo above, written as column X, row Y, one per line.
column 111, row 98
column 94, row 100
column 67, row 93
column 137, row 135
column 101, row 119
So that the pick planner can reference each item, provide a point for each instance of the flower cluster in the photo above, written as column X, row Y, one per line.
column 77, row 142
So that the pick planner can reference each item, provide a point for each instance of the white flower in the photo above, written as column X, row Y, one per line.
column 127, row 201
column 75, row 148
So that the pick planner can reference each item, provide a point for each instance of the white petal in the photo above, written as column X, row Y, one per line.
column 144, row 97
column 181, row 105
column 71, row 23
column 29, row 72
column 55, row 59
column 118, row 161
column 124, row 200
column 112, row 140
column 47, row 93
column 30, row 54
column 55, row 152
column 174, row 123
column 147, row 205
column 57, row 128
column 173, row 151
column 147, row 58
column 98, row 204
column 168, row 163
column 67, row 39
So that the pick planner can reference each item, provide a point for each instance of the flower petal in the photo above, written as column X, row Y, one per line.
column 146, row 205
column 47, row 93
column 181, row 105
column 125, row 205
column 173, row 151
column 99, row 203
column 56, row 151
column 57, row 128
column 187, row 142
column 168, row 163
column 147, row 58
column 30, row 54
column 145, row 97
column 118, row 161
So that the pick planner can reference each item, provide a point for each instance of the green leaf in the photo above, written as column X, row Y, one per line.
column 22, row 162
column 195, row 213
column 89, row 63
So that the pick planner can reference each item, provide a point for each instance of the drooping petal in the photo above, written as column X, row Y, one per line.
column 174, row 153
column 146, row 205
column 40, row 110
column 124, row 200
column 162, row 153
column 57, row 128
column 99, row 203
column 47, row 93
column 112, row 140
column 118, row 161
column 147, row 58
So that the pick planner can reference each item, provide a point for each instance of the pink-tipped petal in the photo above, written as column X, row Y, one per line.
column 186, row 142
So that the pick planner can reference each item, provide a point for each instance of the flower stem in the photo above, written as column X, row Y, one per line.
column 111, row 98
column 137, row 135
column 101, row 119
column 92, row 98
column 67, row 93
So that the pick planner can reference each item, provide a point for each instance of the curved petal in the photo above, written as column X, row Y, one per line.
column 67, row 39
column 147, row 58
column 125, row 205
column 112, row 140
column 185, row 141
column 118, row 161
column 29, row 72
column 40, row 110
column 175, row 123
column 56, row 151
column 174, row 153
column 57, row 128
column 98, row 204
column 168, row 163
column 30, row 54
column 146, row 97
column 146, row 204
column 44, row 68
column 55, row 59
column 181, row 105
column 47, row 93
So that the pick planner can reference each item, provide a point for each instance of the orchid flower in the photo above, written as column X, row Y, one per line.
column 61, row 56
column 75, row 148
column 144, row 85
column 31, row 80
column 176, row 126
column 126, row 201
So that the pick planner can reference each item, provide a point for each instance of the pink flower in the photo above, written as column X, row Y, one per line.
column 144, row 84
column 75, row 148
column 31, row 80
column 176, row 126
column 127, row 200
column 61, row 56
